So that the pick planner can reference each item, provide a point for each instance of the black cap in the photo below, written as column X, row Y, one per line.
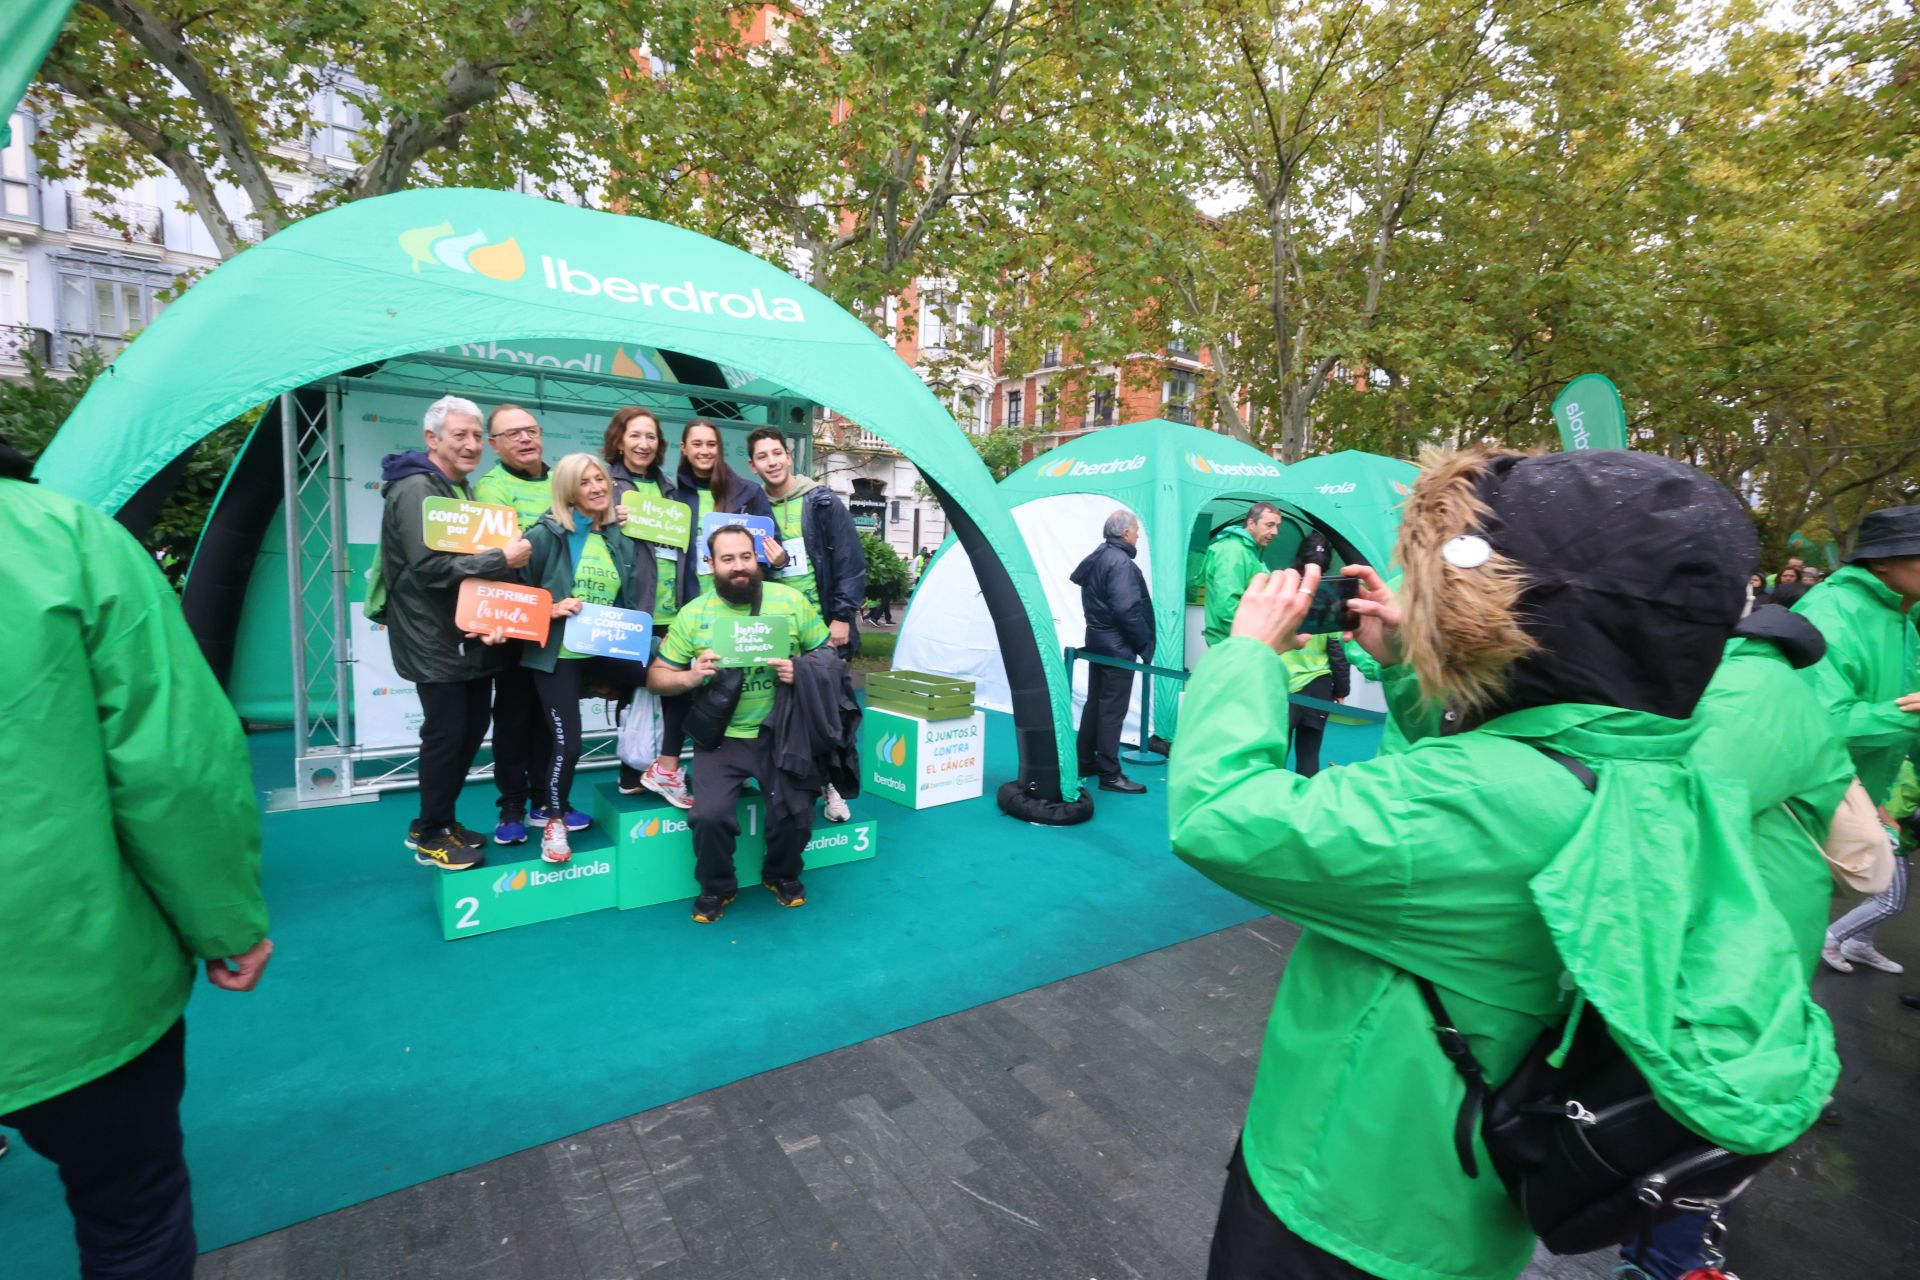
column 1885, row 535
column 1637, row 570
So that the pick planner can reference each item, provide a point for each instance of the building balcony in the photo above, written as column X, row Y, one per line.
column 1177, row 413
column 139, row 223
column 17, row 341
column 1050, row 358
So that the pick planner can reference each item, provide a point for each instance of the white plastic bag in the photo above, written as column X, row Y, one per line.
column 640, row 731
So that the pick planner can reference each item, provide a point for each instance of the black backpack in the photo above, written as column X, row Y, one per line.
column 1576, row 1135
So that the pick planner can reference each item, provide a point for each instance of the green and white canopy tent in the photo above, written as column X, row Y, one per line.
column 429, row 270
column 1184, row 483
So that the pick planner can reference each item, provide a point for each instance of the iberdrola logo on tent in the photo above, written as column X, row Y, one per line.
column 1404, row 490
column 891, row 749
column 1074, row 467
column 441, row 246
column 1207, row 466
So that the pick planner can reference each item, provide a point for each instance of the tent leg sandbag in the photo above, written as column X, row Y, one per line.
column 1037, row 790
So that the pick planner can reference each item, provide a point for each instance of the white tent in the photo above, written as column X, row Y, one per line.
column 947, row 629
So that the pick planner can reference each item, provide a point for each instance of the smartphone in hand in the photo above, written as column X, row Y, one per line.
column 1331, row 608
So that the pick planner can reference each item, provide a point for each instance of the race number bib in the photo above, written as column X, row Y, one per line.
column 797, row 562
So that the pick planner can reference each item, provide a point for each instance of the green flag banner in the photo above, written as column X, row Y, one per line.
column 27, row 31
column 1590, row 414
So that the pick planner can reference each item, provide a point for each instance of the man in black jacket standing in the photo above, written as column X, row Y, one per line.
column 1113, row 594
column 818, row 554
column 453, row 672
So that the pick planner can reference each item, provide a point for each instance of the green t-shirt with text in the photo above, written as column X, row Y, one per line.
column 596, row 579
column 787, row 516
column 530, row 499
column 692, row 632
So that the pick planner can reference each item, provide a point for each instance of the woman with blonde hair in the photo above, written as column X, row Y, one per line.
column 580, row 557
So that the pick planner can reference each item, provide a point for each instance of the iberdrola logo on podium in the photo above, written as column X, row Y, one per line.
column 891, row 749
column 441, row 246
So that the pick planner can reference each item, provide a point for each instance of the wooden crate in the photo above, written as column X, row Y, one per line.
column 916, row 693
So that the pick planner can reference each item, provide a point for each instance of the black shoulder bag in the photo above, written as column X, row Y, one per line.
column 710, row 707
column 1576, row 1135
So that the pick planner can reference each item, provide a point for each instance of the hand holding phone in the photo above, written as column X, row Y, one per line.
column 1332, row 609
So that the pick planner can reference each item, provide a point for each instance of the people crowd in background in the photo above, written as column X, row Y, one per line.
column 571, row 543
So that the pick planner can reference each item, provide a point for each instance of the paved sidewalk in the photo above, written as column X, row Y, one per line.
column 1073, row 1131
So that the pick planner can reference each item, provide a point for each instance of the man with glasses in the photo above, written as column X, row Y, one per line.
column 523, row 481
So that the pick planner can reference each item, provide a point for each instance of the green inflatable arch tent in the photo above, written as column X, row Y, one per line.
column 1185, row 483
column 434, row 269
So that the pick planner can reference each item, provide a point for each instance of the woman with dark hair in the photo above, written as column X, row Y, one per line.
column 707, row 484
column 636, row 455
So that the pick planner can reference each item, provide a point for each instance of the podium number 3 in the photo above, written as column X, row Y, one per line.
column 860, row 840
column 469, row 907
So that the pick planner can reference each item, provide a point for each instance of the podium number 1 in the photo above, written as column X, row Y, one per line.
column 471, row 907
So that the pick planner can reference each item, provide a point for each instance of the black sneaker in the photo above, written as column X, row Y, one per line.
column 791, row 893
column 709, row 907
column 445, row 850
column 468, row 835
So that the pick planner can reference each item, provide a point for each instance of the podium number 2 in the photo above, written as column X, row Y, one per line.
column 469, row 908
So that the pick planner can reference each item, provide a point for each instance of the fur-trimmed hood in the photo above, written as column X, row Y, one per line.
column 1612, row 578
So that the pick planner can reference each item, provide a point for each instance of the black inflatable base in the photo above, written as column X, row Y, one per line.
column 1017, row 801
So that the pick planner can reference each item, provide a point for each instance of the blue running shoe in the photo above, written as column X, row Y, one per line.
column 576, row 820
column 511, row 830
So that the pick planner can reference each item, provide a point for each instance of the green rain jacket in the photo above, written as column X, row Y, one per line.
column 1873, row 657
column 1479, row 863
column 1762, row 727
column 151, row 855
column 1232, row 562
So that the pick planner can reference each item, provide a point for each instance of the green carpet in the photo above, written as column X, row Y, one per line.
column 375, row 1056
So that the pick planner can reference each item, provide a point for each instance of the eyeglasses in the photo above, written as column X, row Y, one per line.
column 518, row 433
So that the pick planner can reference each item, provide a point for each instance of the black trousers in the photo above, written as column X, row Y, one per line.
column 716, row 825
column 673, row 723
column 116, row 1141
column 521, row 741
column 457, row 712
column 1108, row 691
column 559, row 693
column 1309, row 727
column 1249, row 1243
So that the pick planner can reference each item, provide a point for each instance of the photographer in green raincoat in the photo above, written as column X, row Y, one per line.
column 1481, row 864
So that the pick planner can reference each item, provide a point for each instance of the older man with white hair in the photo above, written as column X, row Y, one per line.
column 452, row 671
column 1119, row 611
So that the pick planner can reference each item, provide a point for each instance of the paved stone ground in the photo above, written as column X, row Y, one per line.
column 1073, row 1131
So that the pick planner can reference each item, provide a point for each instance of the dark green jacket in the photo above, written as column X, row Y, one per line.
column 551, row 568
column 139, row 850
column 423, row 586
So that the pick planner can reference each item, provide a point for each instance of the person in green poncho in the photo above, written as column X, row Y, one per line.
column 1232, row 561
column 1870, row 683
column 1478, row 862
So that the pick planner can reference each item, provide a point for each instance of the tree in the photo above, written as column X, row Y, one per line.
column 489, row 93
column 886, row 572
column 871, row 142
column 1003, row 449
column 32, row 410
